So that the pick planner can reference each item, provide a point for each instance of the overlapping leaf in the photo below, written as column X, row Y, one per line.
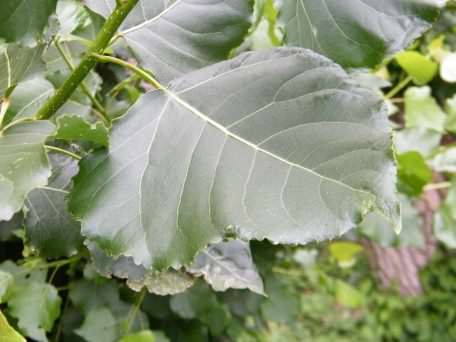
column 16, row 63
column 174, row 37
column 279, row 145
column 24, row 20
column 24, row 164
column 49, row 226
column 356, row 33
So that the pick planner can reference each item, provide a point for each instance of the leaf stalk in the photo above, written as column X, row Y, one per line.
column 88, row 62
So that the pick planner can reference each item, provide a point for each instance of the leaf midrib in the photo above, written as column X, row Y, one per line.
column 257, row 148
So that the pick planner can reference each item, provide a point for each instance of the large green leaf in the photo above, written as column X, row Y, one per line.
column 16, row 63
column 174, row 37
column 49, row 226
column 24, row 164
column 278, row 144
column 356, row 33
column 24, row 20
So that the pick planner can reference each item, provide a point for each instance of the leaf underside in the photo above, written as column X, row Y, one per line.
column 277, row 145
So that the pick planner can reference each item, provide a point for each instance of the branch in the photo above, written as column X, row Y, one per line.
column 108, row 30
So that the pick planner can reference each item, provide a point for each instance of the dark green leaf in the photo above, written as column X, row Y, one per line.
column 278, row 144
column 200, row 303
column 49, row 226
column 172, row 38
column 356, row 33
column 24, row 20
column 98, row 326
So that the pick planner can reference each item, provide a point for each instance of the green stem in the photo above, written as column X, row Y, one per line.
column 401, row 85
column 3, row 109
column 135, row 309
column 61, row 150
column 88, row 62
column 68, row 61
column 140, row 72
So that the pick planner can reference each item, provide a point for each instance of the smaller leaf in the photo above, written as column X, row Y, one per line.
column 422, row 110
column 7, row 333
column 24, row 164
column 16, row 64
column 345, row 252
column 73, row 127
column 22, row 20
column 450, row 107
column 98, row 326
column 413, row 173
column 418, row 66
column 6, row 280
column 422, row 140
column 448, row 68
column 376, row 227
column 49, row 226
column 28, row 97
column 36, row 306
column 445, row 219
column 228, row 265
column 348, row 296
column 201, row 303
column 445, row 160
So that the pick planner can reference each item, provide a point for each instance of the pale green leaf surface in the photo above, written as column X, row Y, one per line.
column 445, row 160
column 422, row 110
column 24, row 20
column 98, row 326
column 7, row 333
column 28, row 97
column 49, row 227
column 422, row 140
column 142, row 336
column 16, row 63
column 445, row 219
column 356, row 33
column 171, row 38
column 24, row 164
column 235, row 147
column 6, row 280
column 36, row 306
column 228, row 265
column 448, row 68
column 419, row 67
